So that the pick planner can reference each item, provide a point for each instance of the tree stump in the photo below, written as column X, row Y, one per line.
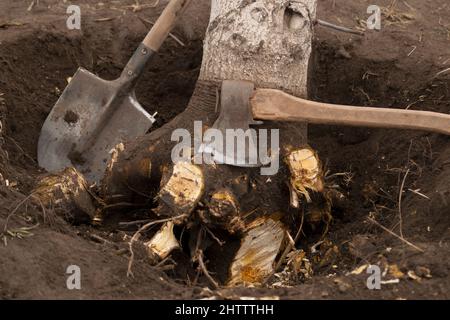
column 267, row 42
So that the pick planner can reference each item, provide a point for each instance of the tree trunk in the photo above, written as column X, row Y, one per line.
column 269, row 43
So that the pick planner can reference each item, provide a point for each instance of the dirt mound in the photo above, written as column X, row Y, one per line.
column 393, row 68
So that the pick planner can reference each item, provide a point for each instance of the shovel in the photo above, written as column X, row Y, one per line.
column 93, row 115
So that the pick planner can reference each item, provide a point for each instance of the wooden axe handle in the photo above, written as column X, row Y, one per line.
column 269, row 104
column 165, row 24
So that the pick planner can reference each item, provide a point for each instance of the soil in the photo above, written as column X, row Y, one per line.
column 397, row 67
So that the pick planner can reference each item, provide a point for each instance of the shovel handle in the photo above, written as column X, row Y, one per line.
column 269, row 104
column 164, row 24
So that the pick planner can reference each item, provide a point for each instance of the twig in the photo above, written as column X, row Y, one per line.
column 199, row 256
column 20, row 149
column 44, row 212
column 419, row 193
column 220, row 242
column 400, row 197
column 120, row 205
column 97, row 238
column 133, row 223
column 181, row 43
column 291, row 245
column 205, row 271
column 246, row 215
column 15, row 210
column 138, row 192
column 412, row 51
column 441, row 72
column 338, row 28
column 163, row 262
column 395, row 235
column 138, row 234
column 138, row 7
column 104, row 19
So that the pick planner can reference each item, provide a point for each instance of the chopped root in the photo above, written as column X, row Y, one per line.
column 163, row 242
column 181, row 190
column 138, row 234
column 308, row 182
column 254, row 261
column 306, row 172
column 223, row 211
column 67, row 193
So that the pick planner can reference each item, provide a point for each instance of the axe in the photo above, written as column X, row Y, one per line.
column 242, row 106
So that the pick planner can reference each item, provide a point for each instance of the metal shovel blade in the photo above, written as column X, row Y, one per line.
column 93, row 116
column 90, row 118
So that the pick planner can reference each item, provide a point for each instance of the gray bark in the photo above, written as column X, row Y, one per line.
column 264, row 41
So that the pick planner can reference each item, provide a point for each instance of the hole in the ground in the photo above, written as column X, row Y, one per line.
column 32, row 84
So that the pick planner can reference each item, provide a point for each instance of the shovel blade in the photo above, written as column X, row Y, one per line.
column 90, row 118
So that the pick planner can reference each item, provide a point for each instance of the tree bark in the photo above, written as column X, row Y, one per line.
column 267, row 42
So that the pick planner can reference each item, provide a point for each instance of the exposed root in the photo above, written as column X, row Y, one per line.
column 13, row 212
column 163, row 242
column 223, row 211
column 339, row 28
column 205, row 271
column 199, row 257
column 26, row 155
column 68, row 194
column 395, row 235
column 306, row 172
column 136, row 7
column 307, row 181
column 137, row 235
column 400, row 197
column 181, row 190
column 32, row 5
column 442, row 72
column 254, row 260
column 291, row 245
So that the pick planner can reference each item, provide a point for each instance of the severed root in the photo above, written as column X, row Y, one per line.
column 307, row 181
column 68, row 194
column 181, row 190
column 138, row 234
column 198, row 256
column 306, row 172
column 254, row 261
column 163, row 242
column 223, row 211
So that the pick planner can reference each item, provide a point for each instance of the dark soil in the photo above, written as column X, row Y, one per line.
column 393, row 68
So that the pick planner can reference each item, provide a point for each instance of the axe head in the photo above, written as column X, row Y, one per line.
column 239, row 145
